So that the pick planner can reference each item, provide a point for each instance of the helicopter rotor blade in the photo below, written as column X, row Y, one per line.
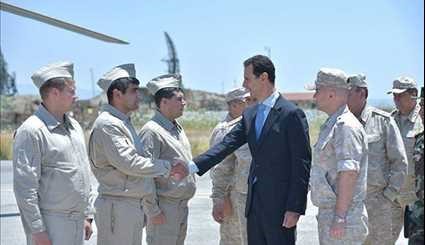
column 58, row 23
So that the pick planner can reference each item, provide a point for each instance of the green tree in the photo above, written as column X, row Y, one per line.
column 7, row 81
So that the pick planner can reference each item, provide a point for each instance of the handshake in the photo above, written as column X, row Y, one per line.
column 179, row 170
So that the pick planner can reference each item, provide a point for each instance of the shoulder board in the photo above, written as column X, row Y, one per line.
column 381, row 112
column 393, row 112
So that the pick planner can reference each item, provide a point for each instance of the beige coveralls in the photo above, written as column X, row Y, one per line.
column 51, row 178
column 114, row 150
column 162, row 139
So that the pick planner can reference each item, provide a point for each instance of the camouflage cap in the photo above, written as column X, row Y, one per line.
column 358, row 80
column 121, row 71
column 163, row 81
column 237, row 94
column 329, row 77
column 402, row 84
column 61, row 69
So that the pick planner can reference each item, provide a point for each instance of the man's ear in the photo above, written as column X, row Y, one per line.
column 54, row 91
column 264, row 76
column 116, row 93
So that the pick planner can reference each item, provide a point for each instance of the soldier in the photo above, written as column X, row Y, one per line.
column 387, row 161
column 410, row 124
column 163, row 137
column 338, row 175
column 114, row 149
column 51, row 169
column 229, row 179
column 416, row 219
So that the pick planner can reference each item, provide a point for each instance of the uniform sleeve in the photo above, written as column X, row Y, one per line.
column 123, row 155
column 151, row 148
column 397, row 158
column 90, row 210
column 350, row 148
column 26, row 176
column 222, row 176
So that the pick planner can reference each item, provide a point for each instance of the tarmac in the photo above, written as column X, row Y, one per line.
column 202, row 229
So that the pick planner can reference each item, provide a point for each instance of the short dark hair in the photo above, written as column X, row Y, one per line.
column 260, row 64
column 166, row 93
column 366, row 91
column 121, row 84
column 412, row 91
column 57, row 82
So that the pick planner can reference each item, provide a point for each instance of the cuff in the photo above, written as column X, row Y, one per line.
column 152, row 211
column 192, row 167
column 37, row 226
column 217, row 200
column 166, row 166
column 348, row 165
column 390, row 194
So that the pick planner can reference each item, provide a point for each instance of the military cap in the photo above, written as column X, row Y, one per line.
column 358, row 80
column 329, row 77
column 163, row 81
column 402, row 84
column 237, row 94
column 62, row 69
column 121, row 71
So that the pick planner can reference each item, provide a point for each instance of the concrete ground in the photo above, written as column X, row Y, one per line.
column 203, row 230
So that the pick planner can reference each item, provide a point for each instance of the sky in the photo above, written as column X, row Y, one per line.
column 383, row 39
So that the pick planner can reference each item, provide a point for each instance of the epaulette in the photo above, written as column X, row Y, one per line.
column 381, row 112
column 234, row 121
column 392, row 113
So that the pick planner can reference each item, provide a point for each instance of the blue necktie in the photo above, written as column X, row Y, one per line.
column 260, row 119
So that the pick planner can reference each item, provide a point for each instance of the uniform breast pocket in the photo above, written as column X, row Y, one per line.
column 373, row 138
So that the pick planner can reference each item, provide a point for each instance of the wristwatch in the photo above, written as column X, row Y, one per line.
column 339, row 219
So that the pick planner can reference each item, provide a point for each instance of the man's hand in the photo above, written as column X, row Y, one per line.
column 337, row 230
column 290, row 220
column 227, row 207
column 178, row 170
column 88, row 229
column 157, row 219
column 41, row 238
column 218, row 210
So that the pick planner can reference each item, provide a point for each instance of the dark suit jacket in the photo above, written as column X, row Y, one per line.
column 281, row 158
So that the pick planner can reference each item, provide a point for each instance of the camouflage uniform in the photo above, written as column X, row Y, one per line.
column 409, row 127
column 416, row 221
column 230, row 178
column 387, row 167
column 341, row 146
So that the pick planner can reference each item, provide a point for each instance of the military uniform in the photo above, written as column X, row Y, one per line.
column 163, row 139
column 114, row 152
column 387, row 168
column 230, row 178
column 51, row 171
column 416, row 219
column 341, row 146
column 409, row 127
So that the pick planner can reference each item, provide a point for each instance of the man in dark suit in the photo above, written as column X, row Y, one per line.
column 277, row 135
